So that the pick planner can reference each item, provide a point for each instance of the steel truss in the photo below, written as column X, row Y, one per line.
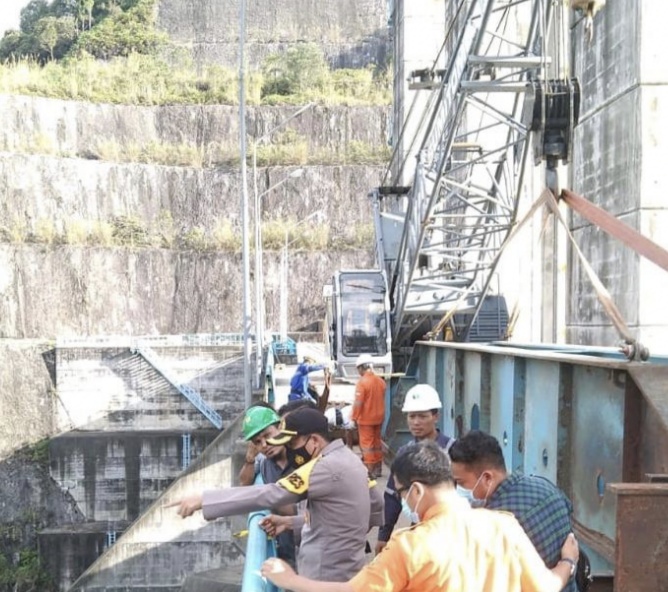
column 473, row 149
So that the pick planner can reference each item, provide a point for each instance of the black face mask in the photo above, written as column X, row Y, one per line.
column 298, row 457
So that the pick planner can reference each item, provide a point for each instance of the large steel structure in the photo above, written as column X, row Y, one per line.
column 438, row 238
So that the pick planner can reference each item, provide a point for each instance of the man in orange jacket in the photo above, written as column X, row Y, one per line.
column 369, row 413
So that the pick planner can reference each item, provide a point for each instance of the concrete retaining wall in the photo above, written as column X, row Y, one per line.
column 618, row 165
column 160, row 549
column 77, row 128
column 115, row 477
column 71, row 291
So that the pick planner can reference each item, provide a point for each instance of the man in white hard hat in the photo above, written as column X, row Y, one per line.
column 421, row 406
column 369, row 413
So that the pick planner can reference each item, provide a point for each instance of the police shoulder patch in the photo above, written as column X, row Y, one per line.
column 298, row 481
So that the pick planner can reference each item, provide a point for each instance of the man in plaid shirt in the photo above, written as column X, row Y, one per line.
column 539, row 506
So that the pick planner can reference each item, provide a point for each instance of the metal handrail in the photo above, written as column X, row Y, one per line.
column 188, row 392
column 259, row 548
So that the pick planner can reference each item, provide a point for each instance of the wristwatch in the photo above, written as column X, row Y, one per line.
column 571, row 562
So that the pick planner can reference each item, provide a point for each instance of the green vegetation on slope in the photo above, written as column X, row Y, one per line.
column 108, row 51
column 289, row 149
column 140, row 79
column 132, row 232
column 68, row 28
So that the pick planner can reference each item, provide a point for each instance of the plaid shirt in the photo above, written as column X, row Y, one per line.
column 543, row 511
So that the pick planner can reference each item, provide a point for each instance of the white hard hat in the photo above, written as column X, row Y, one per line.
column 364, row 360
column 421, row 397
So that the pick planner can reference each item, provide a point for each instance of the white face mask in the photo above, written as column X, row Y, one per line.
column 412, row 515
column 468, row 495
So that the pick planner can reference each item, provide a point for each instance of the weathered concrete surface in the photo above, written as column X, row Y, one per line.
column 160, row 549
column 71, row 291
column 27, row 396
column 62, row 191
column 215, row 580
column 110, row 389
column 77, row 128
column 351, row 33
column 619, row 165
column 116, row 477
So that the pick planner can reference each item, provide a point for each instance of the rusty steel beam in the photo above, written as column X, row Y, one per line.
column 614, row 227
column 599, row 542
column 641, row 552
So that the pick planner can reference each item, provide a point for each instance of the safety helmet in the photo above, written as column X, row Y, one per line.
column 258, row 419
column 309, row 360
column 421, row 397
column 364, row 360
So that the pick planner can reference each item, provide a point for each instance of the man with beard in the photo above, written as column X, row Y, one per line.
column 269, row 462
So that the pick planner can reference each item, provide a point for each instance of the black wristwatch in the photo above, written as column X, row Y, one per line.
column 572, row 563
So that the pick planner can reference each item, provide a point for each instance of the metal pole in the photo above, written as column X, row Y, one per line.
column 284, row 291
column 259, row 324
column 244, row 209
column 259, row 265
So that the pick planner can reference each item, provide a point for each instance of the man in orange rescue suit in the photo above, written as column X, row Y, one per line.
column 341, row 504
column 369, row 413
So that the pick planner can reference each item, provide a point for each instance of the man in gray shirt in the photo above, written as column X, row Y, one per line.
column 341, row 503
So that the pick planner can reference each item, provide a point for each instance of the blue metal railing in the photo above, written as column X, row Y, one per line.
column 285, row 347
column 189, row 393
column 259, row 548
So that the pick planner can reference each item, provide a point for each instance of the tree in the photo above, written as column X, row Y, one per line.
column 85, row 11
column 296, row 71
column 46, row 33
column 10, row 45
column 31, row 13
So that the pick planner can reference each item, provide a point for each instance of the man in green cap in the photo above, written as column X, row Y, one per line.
column 268, row 461
column 261, row 423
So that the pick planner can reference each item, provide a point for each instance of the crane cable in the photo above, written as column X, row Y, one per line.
column 599, row 218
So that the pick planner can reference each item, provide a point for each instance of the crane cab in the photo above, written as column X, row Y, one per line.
column 358, row 320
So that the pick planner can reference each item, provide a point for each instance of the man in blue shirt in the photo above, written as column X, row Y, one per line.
column 299, row 383
column 540, row 507
column 421, row 407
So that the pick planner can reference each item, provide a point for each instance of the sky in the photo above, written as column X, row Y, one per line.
column 9, row 14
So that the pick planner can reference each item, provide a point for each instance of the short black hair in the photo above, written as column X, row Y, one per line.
column 296, row 404
column 478, row 449
column 423, row 461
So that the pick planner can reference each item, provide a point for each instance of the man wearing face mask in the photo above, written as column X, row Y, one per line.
column 340, row 503
column 421, row 406
column 540, row 507
column 451, row 547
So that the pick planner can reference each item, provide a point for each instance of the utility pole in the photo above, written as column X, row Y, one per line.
column 244, row 209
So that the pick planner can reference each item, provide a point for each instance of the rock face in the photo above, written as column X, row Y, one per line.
column 76, row 128
column 68, row 291
column 351, row 33
column 52, row 290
